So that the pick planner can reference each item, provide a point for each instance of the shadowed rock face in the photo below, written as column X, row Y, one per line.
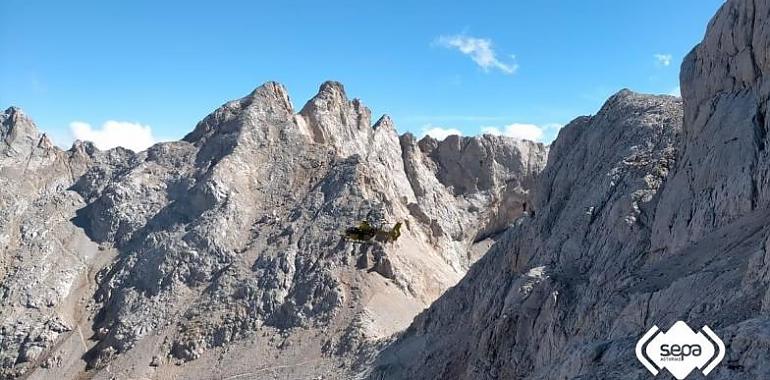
column 41, row 252
column 725, row 164
column 641, row 221
column 194, row 258
column 221, row 255
column 536, row 291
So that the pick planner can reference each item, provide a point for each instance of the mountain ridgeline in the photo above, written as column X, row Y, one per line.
column 654, row 210
column 276, row 243
column 195, row 257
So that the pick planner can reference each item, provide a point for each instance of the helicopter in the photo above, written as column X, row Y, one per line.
column 366, row 232
column 372, row 228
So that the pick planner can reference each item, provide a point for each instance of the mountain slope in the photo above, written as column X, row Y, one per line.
column 197, row 256
column 640, row 222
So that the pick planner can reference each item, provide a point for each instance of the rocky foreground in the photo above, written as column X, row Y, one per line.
column 654, row 210
column 223, row 254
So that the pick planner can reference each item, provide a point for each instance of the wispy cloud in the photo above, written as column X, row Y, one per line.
column 518, row 130
column 676, row 91
column 455, row 118
column 554, row 127
column 663, row 59
column 439, row 132
column 524, row 131
column 480, row 50
column 134, row 136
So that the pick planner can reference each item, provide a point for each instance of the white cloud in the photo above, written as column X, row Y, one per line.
column 439, row 132
column 553, row 127
column 491, row 131
column 455, row 118
column 518, row 130
column 676, row 91
column 480, row 50
column 663, row 59
column 113, row 133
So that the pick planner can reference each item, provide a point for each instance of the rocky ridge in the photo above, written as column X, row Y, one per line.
column 197, row 256
column 647, row 214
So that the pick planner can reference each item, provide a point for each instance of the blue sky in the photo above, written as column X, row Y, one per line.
column 517, row 67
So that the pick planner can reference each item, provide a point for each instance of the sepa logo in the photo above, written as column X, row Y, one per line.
column 680, row 350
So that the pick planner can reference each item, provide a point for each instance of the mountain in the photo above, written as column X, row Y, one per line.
column 654, row 210
column 229, row 254
column 224, row 254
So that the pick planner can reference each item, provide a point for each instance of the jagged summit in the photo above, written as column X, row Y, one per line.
column 513, row 312
column 333, row 88
column 653, row 210
column 732, row 57
column 235, row 236
column 332, row 119
column 225, row 256
column 629, row 98
column 268, row 102
column 384, row 122
column 328, row 118
column 19, row 134
column 272, row 94
column 14, row 124
column 13, row 110
column 725, row 91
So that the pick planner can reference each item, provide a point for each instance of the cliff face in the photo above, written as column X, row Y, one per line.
column 550, row 281
column 43, row 256
column 725, row 162
column 223, row 254
column 645, row 216
column 198, row 256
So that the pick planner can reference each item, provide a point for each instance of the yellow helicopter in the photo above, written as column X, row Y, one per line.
column 367, row 231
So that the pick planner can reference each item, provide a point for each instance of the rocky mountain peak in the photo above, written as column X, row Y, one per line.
column 632, row 101
column 85, row 148
column 45, row 142
column 331, row 97
column 14, row 123
column 332, row 119
column 332, row 88
column 733, row 56
column 267, row 104
column 385, row 123
column 18, row 133
column 653, row 210
column 238, row 235
column 273, row 96
column 275, row 244
column 329, row 119
column 724, row 151
column 12, row 113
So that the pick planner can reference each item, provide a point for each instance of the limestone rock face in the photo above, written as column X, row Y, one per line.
column 489, row 177
column 345, row 125
column 725, row 163
column 534, row 293
column 201, row 257
column 44, row 258
column 650, row 212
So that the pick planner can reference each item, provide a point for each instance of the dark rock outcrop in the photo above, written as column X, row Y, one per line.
column 641, row 221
